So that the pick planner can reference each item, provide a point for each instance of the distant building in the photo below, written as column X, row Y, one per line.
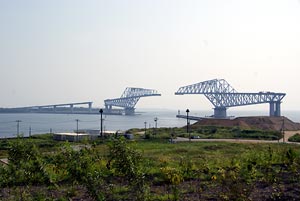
column 85, row 134
column 72, row 137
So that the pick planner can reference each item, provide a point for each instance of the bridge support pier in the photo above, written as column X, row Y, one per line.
column 72, row 108
column 90, row 107
column 129, row 111
column 278, row 110
column 108, row 108
column 275, row 109
column 272, row 109
column 220, row 112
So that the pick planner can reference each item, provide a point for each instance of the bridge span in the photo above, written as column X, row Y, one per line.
column 65, row 108
column 70, row 105
column 222, row 96
column 129, row 99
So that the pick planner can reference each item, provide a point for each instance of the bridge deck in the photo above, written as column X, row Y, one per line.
column 190, row 117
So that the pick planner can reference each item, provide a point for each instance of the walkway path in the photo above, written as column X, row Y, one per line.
column 287, row 134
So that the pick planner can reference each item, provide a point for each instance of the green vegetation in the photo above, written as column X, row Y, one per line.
column 44, row 142
column 295, row 138
column 211, row 132
column 149, row 169
column 215, row 132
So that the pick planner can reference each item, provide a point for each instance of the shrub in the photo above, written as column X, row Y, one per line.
column 295, row 138
column 126, row 162
column 25, row 164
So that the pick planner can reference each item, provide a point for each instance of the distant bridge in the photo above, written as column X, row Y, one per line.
column 70, row 105
column 129, row 99
column 222, row 95
column 65, row 108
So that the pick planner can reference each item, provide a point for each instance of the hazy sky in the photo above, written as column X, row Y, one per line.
column 60, row 51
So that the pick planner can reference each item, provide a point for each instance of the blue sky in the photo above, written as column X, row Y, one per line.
column 68, row 51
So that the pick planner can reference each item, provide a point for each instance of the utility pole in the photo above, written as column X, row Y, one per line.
column 18, row 126
column 145, row 128
column 29, row 131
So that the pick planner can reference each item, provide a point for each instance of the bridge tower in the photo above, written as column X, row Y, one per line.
column 129, row 99
column 222, row 96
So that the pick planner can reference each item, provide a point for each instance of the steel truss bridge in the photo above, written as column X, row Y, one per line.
column 222, row 96
column 129, row 99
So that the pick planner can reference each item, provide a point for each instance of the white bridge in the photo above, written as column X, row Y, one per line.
column 222, row 96
column 129, row 99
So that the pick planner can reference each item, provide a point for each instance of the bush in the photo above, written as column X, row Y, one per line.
column 295, row 138
column 25, row 164
column 126, row 162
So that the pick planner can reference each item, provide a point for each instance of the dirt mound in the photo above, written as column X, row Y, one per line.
column 260, row 122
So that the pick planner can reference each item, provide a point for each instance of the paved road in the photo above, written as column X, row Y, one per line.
column 286, row 137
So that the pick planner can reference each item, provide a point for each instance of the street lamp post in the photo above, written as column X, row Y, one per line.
column 77, row 120
column 155, row 119
column 101, row 122
column 282, row 130
column 187, row 123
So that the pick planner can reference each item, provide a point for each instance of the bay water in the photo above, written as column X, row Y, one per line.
column 37, row 123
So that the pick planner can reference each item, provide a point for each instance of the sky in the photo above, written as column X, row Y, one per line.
column 61, row 51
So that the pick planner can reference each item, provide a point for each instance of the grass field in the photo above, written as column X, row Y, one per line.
column 148, row 169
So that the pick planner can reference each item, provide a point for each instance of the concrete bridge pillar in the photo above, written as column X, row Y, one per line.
column 275, row 110
column 72, row 108
column 220, row 112
column 90, row 107
column 54, row 108
column 108, row 108
column 272, row 109
column 278, row 110
column 129, row 111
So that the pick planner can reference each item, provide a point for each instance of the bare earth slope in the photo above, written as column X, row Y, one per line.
column 259, row 122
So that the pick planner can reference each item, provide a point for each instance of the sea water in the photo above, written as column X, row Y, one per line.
column 36, row 123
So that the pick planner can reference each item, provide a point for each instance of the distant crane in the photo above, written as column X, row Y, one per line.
column 222, row 95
